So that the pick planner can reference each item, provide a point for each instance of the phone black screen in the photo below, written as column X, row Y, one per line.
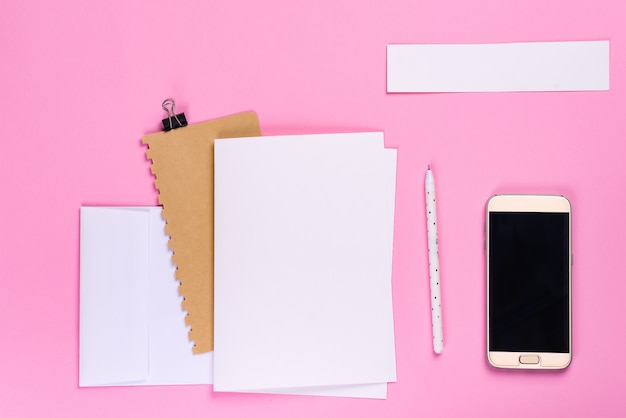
column 529, row 282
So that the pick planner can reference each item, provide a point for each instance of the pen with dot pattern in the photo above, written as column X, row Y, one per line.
column 433, row 262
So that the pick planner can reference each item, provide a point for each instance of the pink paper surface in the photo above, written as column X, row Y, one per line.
column 82, row 82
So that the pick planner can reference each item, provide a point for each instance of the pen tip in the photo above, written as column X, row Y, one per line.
column 429, row 166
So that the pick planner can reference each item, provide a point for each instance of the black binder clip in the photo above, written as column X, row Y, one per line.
column 173, row 120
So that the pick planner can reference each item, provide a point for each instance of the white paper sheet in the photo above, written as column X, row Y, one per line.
column 132, row 329
column 531, row 66
column 303, row 264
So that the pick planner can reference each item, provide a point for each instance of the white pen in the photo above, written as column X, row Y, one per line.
column 433, row 262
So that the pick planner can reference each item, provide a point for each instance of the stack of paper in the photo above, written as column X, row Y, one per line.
column 303, row 247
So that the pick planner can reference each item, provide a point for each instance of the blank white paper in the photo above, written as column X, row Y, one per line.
column 132, row 328
column 529, row 66
column 372, row 390
column 302, row 263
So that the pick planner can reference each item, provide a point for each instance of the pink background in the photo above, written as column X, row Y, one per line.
column 81, row 82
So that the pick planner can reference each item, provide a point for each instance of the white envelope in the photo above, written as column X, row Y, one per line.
column 132, row 329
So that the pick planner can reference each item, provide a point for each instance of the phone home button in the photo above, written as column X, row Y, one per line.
column 529, row 359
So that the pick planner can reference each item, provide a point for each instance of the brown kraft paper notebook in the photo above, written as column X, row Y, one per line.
column 182, row 162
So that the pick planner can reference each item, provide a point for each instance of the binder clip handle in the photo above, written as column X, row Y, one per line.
column 173, row 120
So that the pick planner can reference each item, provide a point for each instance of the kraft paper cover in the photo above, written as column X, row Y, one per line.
column 182, row 162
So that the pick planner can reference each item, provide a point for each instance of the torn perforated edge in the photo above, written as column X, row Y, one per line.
column 171, row 250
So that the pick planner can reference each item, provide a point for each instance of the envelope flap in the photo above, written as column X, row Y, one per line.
column 114, row 251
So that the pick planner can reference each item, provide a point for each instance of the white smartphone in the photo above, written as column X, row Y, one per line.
column 529, row 281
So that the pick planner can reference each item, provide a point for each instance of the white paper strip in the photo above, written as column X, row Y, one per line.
column 538, row 66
